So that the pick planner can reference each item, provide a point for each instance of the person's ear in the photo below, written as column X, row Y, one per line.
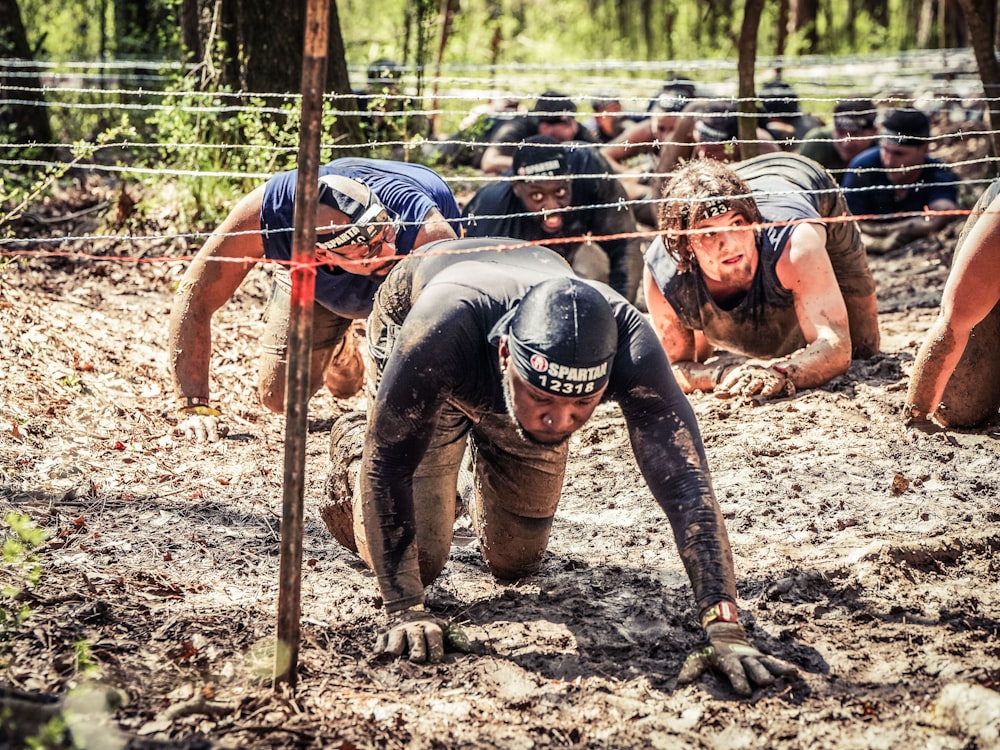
column 503, row 352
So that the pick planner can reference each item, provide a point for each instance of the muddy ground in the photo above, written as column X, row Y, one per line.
column 866, row 554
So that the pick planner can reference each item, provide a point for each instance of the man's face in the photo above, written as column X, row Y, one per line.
column 561, row 128
column 541, row 196
column 361, row 259
column 849, row 144
column 727, row 252
column 896, row 158
column 607, row 118
column 543, row 417
column 663, row 125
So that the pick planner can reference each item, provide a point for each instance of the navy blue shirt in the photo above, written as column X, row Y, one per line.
column 869, row 192
column 408, row 190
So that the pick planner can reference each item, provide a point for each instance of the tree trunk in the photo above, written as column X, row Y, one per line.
column 747, row 91
column 925, row 23
column 803, row 17
column 338, row 81
column 781, row 42
column 25, row 123
column 981, row 17
column 447, row 12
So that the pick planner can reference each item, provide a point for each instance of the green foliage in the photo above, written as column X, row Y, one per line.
column 63, row 31
column 54, row 735
column 20, row 559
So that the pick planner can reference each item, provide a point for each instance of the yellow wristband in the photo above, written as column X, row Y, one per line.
column 202, row 410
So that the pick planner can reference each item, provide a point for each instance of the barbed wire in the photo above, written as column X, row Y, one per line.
column 958, row 67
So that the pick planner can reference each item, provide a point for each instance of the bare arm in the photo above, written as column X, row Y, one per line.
column 882, row 236
column 635, row 140
column 494, row 162
column 972, row 290
column 806, row 271
column 685, row 348
column 435, row 227
column 204, row 288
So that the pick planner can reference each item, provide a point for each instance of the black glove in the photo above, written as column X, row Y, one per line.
column 729, row 652
column 421, row 634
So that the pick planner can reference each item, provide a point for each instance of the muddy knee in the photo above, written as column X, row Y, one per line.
column 512, row 546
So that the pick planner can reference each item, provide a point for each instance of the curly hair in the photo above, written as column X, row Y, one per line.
column 698, row 190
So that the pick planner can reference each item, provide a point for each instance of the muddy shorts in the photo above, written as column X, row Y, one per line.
column 513, row 483
column 328, row 328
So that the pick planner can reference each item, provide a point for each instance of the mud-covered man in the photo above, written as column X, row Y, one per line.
column 756, row 261
column 368, row 209
column 956, row 379
column 506, row 354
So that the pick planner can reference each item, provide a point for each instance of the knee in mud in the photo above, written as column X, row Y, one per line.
column 513, row 570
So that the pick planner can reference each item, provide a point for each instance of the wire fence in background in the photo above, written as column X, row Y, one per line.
column 942, row 83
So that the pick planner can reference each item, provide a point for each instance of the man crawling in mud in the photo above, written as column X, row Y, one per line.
column 956, row 378
column 504, row 353
column 759, row 260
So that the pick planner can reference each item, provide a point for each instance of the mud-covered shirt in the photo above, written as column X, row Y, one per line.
column 445, row 352
column 408, row 190
column 598, row 206
column 762, row 322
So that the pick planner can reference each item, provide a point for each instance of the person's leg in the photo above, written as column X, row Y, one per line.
column 434, row 489
column 328, row 332
column 973, row 392
column 517, row 485
column 435, row 479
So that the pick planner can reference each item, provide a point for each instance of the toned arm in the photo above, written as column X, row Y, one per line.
column 972, row 290
column 204, row 288
column 685, row 348
column 805, row 270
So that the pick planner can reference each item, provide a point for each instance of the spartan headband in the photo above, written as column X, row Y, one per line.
column 555, row 377
column 366, row 221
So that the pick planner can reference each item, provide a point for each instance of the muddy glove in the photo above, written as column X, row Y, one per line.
column 200, row 424
column 729, row 652
column 421, row 634
column 756, row 380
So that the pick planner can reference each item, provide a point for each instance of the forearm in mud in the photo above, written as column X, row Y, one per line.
column 390, row 531
column 812, row 365
column 698, row 376
column 703, row 545
column 683, row 488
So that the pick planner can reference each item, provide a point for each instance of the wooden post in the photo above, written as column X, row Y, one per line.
column 300, row 341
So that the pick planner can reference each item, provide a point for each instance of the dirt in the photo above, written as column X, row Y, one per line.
column 866, row 554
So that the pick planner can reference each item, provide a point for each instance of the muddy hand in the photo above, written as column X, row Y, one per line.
column 422, row 635
column 729, row 652
column 200, row 428
column 755, row 380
